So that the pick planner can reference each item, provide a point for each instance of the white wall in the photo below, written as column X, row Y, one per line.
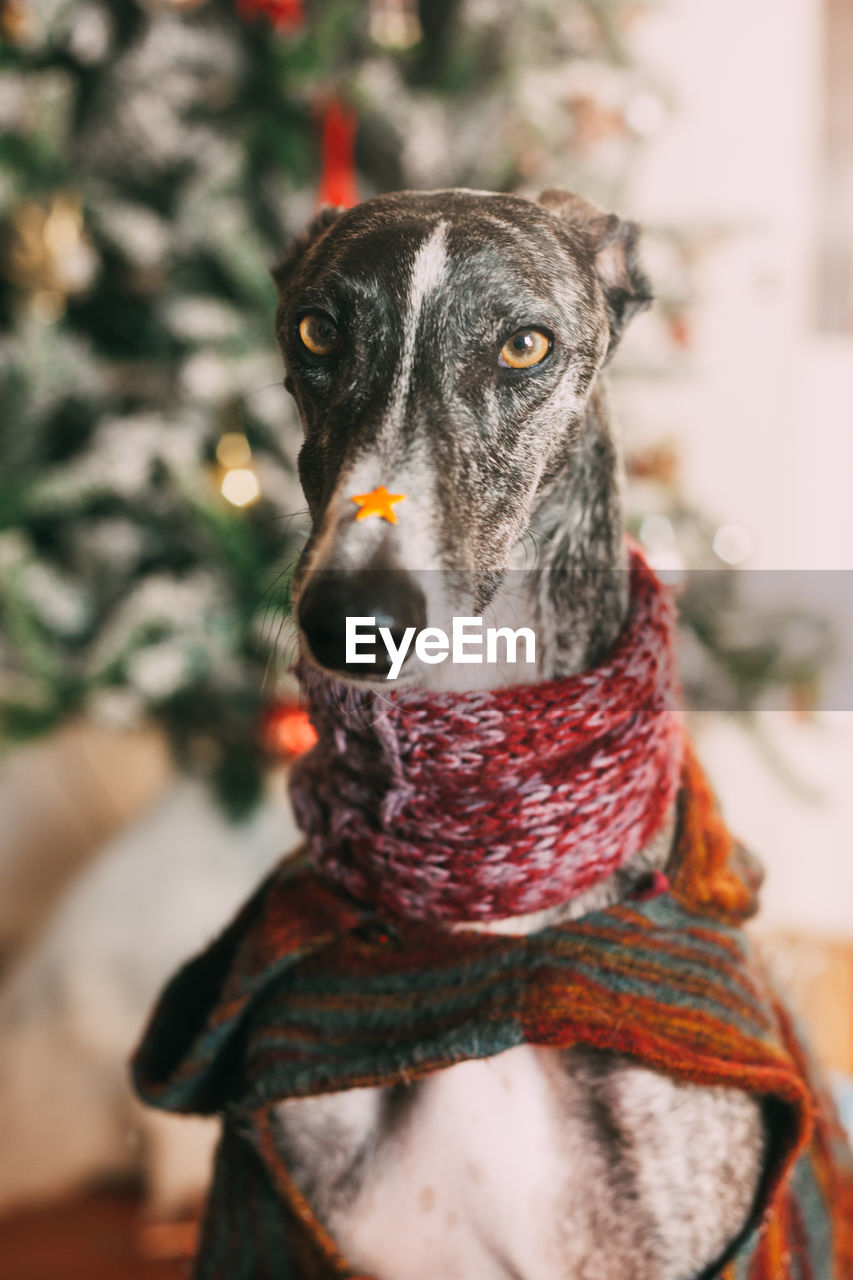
column 765, row 419
column 767, row 423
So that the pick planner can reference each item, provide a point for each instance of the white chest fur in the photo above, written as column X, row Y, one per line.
column 470, row 1184
column 532, row 1165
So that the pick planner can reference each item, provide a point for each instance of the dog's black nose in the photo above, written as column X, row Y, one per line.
column 331, row 596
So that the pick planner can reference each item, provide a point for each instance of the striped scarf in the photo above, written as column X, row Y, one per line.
column 307, row 992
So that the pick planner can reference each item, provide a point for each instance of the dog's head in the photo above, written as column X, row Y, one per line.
column 442, row 346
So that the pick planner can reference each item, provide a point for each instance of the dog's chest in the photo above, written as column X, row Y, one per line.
column 455, row 1176
column 532, row 1165
column 469, row 1181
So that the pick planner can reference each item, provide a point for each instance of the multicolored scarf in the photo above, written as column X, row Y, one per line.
column 307, row 992
column 457, row 807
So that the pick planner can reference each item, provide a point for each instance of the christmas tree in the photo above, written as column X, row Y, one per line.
column 155, row 158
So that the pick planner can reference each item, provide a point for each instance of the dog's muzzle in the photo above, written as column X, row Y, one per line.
column 390, row 596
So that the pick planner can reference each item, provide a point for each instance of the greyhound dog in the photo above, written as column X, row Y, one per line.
column 449, row 346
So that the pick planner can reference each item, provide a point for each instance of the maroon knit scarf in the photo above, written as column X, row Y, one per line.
column 476, row 806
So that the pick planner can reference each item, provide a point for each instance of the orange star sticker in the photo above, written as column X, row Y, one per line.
column 377, row 503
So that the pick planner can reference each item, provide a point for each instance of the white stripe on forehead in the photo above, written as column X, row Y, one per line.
column 427, row 273
column 428, row 267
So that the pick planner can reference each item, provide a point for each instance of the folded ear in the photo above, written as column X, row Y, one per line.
column 316, row 228
column 612, row 245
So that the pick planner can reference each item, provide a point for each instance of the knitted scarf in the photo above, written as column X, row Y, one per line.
column 308, row 991
column 476, row 806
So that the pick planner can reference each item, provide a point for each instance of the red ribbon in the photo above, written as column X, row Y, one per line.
column 338, row 184
column 283, row 14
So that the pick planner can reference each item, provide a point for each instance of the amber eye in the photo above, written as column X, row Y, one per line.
column 318, row 333
column 524, row 349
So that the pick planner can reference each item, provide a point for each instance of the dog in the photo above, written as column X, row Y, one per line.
column 449, row 347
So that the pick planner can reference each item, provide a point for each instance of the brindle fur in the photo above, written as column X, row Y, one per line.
column 649, row 1179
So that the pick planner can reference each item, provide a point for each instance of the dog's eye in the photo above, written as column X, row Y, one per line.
column 524, row 349
column 318, row 333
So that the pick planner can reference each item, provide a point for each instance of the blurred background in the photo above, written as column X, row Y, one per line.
column 155, row 157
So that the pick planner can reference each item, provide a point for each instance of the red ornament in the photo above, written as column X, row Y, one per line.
column 285, row 15
column 659, row 462
column 286, row 730
column 338, row 179
column 679, row 329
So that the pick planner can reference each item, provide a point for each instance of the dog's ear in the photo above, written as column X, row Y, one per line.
column 317, row 227
column 612, row 245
